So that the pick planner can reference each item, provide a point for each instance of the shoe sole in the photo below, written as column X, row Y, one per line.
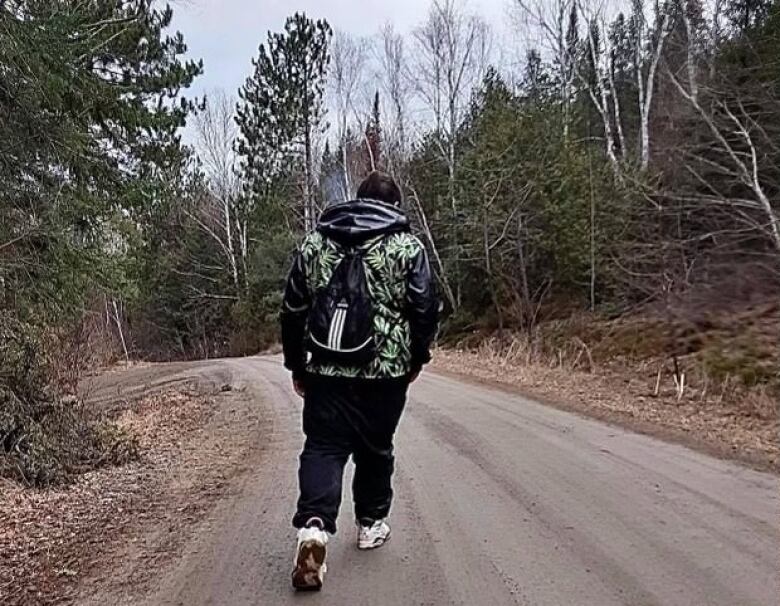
column 374, row 545
column 308, row 566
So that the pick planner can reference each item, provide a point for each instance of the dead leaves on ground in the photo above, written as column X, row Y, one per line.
column 50, row 538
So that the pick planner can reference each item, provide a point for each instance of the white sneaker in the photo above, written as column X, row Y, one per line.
column 373, row 536
column 309, row 561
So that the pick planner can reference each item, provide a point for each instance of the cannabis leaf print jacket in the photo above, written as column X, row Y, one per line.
column 400, row 285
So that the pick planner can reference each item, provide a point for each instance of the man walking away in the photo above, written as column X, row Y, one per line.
column 358, row 317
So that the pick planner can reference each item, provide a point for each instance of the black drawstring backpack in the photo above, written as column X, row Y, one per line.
column 340, row 327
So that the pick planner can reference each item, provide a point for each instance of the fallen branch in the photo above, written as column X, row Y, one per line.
column 587, row 351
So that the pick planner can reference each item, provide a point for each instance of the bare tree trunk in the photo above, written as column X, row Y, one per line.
column 772, row 218
column 616, row 106
column 691, row 60
column 434, row 249
column 523, row 270
column 455, row 222
column 309, row 213
column 601, row 102
column 228, row 225
column 549, row 17
column 715, row 35
column 647, row 88
column 345, row 184
column 118, row 321
column 220, row 218
column 396, row 89
column 592, row 235
column 451, row 59
column 563, row 65
column 346, row 69
column 645, row 83
column 244, row 241
column 489, row 274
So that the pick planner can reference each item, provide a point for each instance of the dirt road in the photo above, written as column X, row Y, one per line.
column 499, row 501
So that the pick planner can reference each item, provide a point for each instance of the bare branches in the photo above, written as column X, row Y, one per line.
column 647, row 89
column 217, row 132
column 556, row 22
column 415, row 199
column 744, row 164
column 396, row 87
column 452, row 50
column 348, row 57
column 17, row 239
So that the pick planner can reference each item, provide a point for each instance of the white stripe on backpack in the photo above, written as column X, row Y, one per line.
column 337, row 327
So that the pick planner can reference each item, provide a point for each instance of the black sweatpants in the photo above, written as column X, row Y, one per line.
column 343, row 417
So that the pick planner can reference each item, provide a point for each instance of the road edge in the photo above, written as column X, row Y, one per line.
column 672, row 435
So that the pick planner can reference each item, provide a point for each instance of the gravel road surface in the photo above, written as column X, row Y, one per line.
column 499, row 500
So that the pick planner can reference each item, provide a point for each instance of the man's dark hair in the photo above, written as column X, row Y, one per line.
column 380, row 186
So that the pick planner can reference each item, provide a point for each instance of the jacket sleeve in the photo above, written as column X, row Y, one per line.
column 422, row 309
column 295, row 310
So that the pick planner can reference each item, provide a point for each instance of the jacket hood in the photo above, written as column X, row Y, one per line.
column 356, row 221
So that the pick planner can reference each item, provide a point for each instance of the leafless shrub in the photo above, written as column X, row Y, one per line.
column 46, row 438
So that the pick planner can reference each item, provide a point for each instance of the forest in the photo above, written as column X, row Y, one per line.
column 608, row 190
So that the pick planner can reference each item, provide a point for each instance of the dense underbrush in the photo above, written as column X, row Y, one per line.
column 46, row 435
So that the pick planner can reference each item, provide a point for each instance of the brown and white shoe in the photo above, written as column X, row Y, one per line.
column 309, row 562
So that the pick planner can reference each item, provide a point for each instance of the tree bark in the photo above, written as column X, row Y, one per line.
column 647, row 90
column 528, row 317
column 489, row 274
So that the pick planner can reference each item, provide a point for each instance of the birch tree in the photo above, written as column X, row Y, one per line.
column 216, row 138
column 741, row 150
column 396, row 88
column 348, row 59
column 556, row 22
column 649, row 37
column 650, row 41
column 452, row 50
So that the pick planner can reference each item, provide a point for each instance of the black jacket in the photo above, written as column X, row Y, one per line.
column 352, row 224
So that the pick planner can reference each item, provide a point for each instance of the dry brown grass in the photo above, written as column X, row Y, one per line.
column 607, row 370
column 49, row 538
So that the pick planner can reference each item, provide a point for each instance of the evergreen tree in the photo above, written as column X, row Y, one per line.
column 90, row 109
column 280, row 109
column 90, row 156
column 536, row 79
column 373, row 138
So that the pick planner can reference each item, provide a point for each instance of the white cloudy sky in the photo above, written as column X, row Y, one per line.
column 226, row 33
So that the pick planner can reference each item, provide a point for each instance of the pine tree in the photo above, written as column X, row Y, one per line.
column 90, row 156
column 373, row 138
column 90, row 106
column 280, row 109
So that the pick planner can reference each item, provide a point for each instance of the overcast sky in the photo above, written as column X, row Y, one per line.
column 226, row 33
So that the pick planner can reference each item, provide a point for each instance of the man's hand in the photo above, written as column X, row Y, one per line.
column 299, row 387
